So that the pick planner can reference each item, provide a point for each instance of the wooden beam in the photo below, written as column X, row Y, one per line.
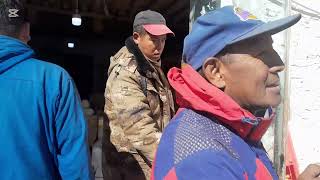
column 121, row 6
column 178, row 9
column 106, row 8
column 166, row 5
column 183, row 14
column 143, row 5
column 149, row 4
column 70, row 12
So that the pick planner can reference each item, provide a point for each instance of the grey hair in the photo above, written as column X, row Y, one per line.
column 139, row 29
column 7, row 26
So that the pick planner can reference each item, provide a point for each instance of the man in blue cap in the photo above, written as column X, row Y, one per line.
column 43, row 132
column 226, row 90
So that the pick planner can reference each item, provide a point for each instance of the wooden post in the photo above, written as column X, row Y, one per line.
column 200, row 7
column 192, row 13
column 281, row 124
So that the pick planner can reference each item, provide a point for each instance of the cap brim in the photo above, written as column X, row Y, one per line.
column 271, row 28
column 157, row 29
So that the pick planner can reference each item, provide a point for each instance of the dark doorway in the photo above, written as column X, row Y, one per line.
column 79, row 66
column 105, row 26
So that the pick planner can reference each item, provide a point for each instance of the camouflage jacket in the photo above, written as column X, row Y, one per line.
column 136, row 117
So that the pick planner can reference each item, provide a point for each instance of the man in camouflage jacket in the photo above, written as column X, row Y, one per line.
column 139, row 102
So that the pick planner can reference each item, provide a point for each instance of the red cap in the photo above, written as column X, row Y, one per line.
column 157, row 29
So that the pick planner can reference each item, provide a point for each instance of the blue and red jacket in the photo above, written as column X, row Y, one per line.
column 211, row 136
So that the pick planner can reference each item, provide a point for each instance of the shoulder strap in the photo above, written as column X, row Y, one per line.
column 143, row 84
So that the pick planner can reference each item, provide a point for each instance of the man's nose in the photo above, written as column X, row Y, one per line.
column 272, row 59
column 276, row 69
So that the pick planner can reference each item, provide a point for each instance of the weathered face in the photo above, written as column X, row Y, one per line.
column 249, row 73
column 151, row 46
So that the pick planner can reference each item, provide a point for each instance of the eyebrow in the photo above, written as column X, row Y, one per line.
column 158, row 37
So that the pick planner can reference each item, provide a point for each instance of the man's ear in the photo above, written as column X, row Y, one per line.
column 24, row 33
column 136, row 37
column 211, row 69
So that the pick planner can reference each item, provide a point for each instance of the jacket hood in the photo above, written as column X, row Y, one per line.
column 194, row 92
column 12, row 52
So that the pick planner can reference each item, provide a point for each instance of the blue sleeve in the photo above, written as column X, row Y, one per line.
column 206, row 165
column 71, row 134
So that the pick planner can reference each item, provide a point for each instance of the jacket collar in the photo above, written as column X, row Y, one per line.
column 143, row 66
column 194, row 92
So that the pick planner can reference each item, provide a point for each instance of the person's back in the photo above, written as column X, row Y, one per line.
column 42, row 127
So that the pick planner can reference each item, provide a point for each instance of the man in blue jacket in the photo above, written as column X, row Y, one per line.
column 225, row 90
column 43, row 131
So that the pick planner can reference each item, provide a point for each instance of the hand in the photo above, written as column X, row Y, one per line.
column 312, row 172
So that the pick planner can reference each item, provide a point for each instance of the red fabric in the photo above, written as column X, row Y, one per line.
column 259, row 131
column 262, row 172
column 171, row 175
column 245, row 175
column 194, row 92
column 152, row 169
column 292, row 166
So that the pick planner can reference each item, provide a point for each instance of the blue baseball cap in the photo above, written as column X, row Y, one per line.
column 212, row 32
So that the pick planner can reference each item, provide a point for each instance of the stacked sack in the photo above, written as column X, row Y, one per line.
column 92, row 121
column 95, row 132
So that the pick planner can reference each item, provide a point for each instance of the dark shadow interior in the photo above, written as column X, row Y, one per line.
column 101, row 35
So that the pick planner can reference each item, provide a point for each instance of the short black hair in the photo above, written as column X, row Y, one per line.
column 139, row 29
column 223, row 56
column 13, row 15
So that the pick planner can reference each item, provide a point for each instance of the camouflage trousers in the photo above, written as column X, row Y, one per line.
column 133, row 167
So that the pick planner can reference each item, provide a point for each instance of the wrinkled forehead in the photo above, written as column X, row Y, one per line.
column 259, row 47
column 163, row 36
